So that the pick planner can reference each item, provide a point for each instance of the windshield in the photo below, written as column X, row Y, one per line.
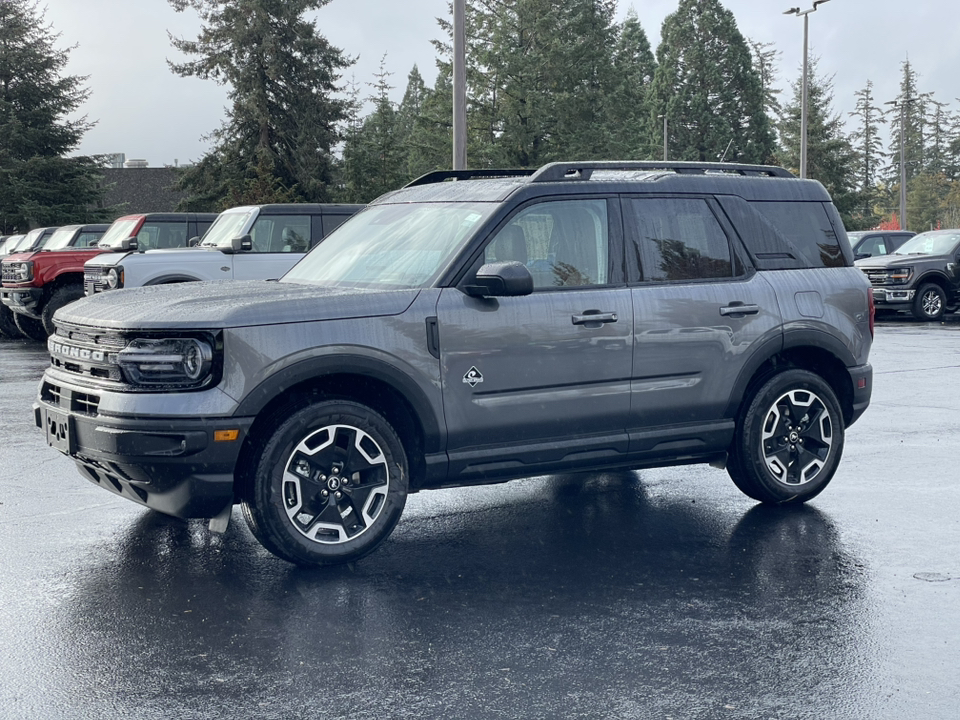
column 226, row 227
column 61, row 238
column 29, row 240
column 392, row 246
column 931, row 243
column 118, row 232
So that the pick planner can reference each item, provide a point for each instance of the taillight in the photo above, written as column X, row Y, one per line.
column 872, row 309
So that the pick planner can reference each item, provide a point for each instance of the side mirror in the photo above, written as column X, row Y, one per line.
column 501, row 279
column 128, row 244
column 194, row 241
column 238, row 244
column 862, row 256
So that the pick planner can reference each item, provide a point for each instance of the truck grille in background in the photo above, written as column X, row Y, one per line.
column 93, row 281
column 78, row 402
column 876, row 277
column 9, row 273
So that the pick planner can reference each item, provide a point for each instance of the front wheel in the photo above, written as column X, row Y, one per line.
column 929, row 303
column 329, row 485
column 8, row 323
column 62, row 296
column 31, row 327
column 789, row 439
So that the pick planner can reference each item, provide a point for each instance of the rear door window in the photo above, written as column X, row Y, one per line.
column 676, row 239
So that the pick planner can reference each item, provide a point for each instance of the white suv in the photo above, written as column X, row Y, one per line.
column 256, row 242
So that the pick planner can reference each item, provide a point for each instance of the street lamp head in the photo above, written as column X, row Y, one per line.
column 792, row 11
column 819, row 2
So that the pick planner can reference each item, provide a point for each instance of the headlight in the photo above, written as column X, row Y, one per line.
column 899, row 276
column 114, row 278
column 171, row 362
column 23, row 272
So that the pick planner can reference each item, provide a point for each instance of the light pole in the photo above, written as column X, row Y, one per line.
column 902, row 104
column 459, row 86
column 805, row 14
column 664, row 118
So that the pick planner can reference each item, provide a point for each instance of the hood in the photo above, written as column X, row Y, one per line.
column 229, row 303
column 21, row 256
column 886, row 261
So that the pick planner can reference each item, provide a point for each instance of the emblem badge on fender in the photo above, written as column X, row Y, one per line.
column 473, row 377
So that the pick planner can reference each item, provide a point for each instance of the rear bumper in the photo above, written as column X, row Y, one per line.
column 862, row 379
column 26, row 301
column 173, row 465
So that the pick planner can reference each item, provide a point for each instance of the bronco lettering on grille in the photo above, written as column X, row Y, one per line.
column 72, row 351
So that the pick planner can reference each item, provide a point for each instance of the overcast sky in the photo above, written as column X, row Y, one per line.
column 145, row 111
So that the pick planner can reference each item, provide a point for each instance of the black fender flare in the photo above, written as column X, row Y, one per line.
column 169, row 279
column 773, row 346
column 313, row 368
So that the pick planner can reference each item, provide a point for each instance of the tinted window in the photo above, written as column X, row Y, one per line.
column 874, row 245
column 808, row 227
column 677, row 239
column 88, row 239
column 563, row 244
column 332, row 222
column 157, row 235
column 281, row 233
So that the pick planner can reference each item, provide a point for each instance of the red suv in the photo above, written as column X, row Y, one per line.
column 37, row 284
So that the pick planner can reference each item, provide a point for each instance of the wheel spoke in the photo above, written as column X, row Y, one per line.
column 797, row 445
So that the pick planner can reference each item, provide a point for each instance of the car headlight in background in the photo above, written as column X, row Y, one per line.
column 113, row 278
column 167, row 362
column 899, row 276
column 22, row 272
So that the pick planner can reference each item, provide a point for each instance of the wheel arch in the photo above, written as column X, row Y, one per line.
column 817, row 352
column 369, row 381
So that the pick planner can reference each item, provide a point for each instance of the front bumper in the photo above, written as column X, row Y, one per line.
column 26, row 301
column 173, row 465
column 888, row 298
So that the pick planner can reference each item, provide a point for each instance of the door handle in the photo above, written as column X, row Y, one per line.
column 594, row 318
column 738, row 309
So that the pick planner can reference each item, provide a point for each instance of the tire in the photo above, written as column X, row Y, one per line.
column 778, row 458
column 929, row 303
column 328, row 486
column 31, row 327
column 8, row 325
column 62, row 296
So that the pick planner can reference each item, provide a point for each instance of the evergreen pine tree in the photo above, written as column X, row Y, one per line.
column 868, row 151
column 830, row 156
column 38, row 184
column 765, row 57
column 634, row 66
column 707, row 87
column 283, row 119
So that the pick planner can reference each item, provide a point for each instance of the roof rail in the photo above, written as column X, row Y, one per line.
column 558, row 171
column 438, row 176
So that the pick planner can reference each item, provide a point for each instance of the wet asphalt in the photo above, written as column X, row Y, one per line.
column 656, row 594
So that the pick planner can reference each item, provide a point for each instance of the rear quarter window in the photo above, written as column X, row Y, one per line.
column 808, row 228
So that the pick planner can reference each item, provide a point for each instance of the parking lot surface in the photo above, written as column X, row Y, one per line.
column 655, row 594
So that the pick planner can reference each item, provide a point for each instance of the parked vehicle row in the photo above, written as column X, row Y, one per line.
column 471, row 328
column 51, row 268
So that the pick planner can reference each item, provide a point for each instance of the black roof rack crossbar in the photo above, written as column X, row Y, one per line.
column 557, row 171
column 438, row 176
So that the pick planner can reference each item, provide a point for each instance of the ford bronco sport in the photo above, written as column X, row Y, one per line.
column 476, row 327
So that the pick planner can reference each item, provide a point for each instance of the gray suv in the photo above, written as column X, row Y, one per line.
column 476, row 327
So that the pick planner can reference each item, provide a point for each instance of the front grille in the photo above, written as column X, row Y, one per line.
column 10, row 272
column 78, row 402
column 93, row 281
column 89, row 353
column 877, row 277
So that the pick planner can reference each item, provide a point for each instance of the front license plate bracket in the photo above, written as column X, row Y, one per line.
column 59, row 431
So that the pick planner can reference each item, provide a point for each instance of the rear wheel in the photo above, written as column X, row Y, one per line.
column 31, row 327
column 328, row 486
column 61, row 296
column 8, row 325
column 929, row 303
column 789, row 439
